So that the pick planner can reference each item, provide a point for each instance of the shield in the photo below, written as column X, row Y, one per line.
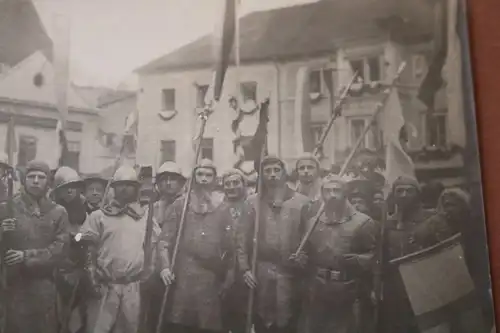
column 440, row 289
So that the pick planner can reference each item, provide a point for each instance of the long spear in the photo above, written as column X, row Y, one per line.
column 253, row 267
column 204, row 117
column 349, row 159
column 335, row 114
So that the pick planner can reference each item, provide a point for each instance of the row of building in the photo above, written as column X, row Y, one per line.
column 332, row 39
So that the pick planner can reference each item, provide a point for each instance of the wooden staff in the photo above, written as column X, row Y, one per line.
column 349, row 159
column 253, row 267
column 204, row 118
column 335, row 114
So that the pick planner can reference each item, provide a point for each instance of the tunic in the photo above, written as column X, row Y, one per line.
column 329, row 300
column 42, row 232
column 200, row 269
column 119, row 240
column 396, row 313
column 279, row 236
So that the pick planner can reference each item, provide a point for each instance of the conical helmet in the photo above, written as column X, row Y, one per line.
column 67, row 177
column 95, row 178
column 206, row 163
column 125, row 174
column 169, row 167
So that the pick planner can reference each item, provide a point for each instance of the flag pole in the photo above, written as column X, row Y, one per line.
column 204, row 117
column 349, row 159
column 336, row 112
column 253, row 268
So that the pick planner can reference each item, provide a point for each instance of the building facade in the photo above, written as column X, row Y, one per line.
column 373, row 43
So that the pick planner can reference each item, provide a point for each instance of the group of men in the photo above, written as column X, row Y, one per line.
column 71, row 254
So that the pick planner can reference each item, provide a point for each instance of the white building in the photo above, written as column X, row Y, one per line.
column 95, row 125
column 329, row 37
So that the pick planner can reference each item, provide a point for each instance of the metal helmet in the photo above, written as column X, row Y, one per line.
column 125, row 174
column 94, row 178
column 169, row 167
column 206, row 163
column 67, row 177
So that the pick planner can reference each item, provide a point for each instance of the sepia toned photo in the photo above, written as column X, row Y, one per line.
column 240, row 166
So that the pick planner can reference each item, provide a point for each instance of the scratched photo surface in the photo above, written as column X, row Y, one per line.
column 240, row 166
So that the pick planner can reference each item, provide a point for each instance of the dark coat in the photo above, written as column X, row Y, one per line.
column 43, row 233
column 200, row 268
column 328, row 305
column 279, row 236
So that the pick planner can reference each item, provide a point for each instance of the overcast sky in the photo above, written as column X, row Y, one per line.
column 110, row 38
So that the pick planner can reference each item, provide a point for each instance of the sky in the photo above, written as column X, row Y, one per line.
column 110, row 38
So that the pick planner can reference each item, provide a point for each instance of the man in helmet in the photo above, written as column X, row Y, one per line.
column 235, row 291
column 309, row 182
column 277, row 288
column 35, row 236
column 195, row 303
column 401, row 240
column 68, row 187
column 116, row 233
column 340, row 250
column 95, row 186
column 169, row 183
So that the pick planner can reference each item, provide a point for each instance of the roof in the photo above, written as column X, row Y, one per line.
column 305, row 30
column 115, row 96
column 91, row 95
column 21, row 32
column 18, row 85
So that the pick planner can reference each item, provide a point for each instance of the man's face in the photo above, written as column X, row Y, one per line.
column 308, row 171
column 36, row 183
column 452, row 207
column 333, row 194
column 378, row 199
column 405, row 195
column 67, row 193
column 126, row 193
column 274, row 174
column 94, row 192
column 360, row 204
column 204, row 176
column 170, row 184
column 233, row 187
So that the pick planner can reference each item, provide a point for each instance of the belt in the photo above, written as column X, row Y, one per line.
column 332, row 275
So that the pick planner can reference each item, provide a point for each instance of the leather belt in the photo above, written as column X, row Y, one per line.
column 332, row 275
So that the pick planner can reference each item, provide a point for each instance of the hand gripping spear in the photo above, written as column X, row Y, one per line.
column 348, row 161
column 204, row 117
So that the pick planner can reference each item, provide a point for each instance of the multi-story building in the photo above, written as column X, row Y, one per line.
column 332, row 39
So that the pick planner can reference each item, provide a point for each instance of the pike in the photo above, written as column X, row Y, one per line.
column 204, row 117
column 349, row 159
column 336, row 112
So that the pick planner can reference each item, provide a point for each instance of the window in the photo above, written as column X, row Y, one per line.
column 129, row 144
column 168, row 151
column 207, row 148
column 369, row 68
column 437, row 131
column 418, row 66
column 317, row 131
column 201, row 93
column 315, row 82
column 358, row 66
column 357, row 127
column 74, row 155
column 248, row 91
column 27, row 149
column 168, row 99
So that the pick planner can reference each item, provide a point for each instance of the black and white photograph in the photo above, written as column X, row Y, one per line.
column 240, row 166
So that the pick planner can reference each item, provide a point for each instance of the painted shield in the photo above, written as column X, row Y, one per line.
column 440, row 289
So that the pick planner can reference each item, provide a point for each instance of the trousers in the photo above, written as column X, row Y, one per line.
column 116, row 311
